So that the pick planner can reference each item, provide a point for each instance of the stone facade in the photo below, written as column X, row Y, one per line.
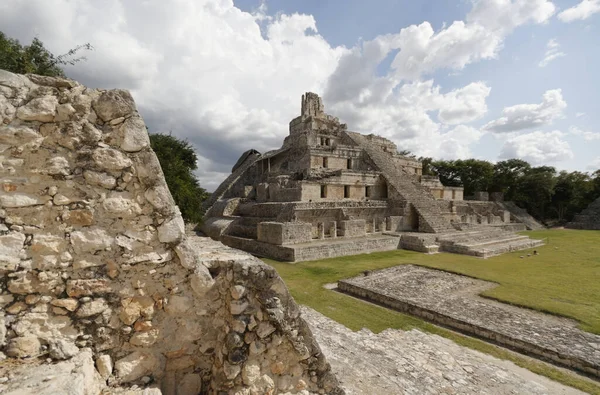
column 588, row 218
column 329, row 184
column 94, row 259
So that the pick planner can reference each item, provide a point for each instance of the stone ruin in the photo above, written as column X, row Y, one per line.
column 331, row 192
column 588, row 218
column 96, row 270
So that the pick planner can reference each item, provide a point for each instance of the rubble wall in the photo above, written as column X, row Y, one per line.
column 93, row 255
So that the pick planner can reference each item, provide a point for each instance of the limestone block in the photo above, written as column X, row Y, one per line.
column 114, row 104
column 172, row 230
column 201, row 281
column 69, row 303
column 10, row 248
column 62, row 349
column 76, row 376
column 136, row 307
column 251, row 373
column 15, row 200
column 135, row 365
column 22, row 347
column 111, row 159
column 16, row 308
column 40, row 109
column 264, row 329
column 104, row 366
column 14, row 80
column 121, row 204
column 47, row 244
column 231, row 371
column 159, row 197
column 91, row 240
column 92, row 308
column 18, row 135
column 102, row 179
column 24, row 284
column 237, row 291
column 64, row 112
column 57, row 165
column 135, row 135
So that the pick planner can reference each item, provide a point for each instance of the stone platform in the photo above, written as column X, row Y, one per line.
column 318, row 249
column 452, row 300
column 413, row 362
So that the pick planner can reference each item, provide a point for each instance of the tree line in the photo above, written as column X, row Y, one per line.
column 549, row 195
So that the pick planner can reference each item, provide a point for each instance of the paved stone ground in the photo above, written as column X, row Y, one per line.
column 413, row 362
column 457, row 297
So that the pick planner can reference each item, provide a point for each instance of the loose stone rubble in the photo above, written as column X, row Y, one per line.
column 93, row 256
column 330, row 192
column 413, row 362
column 588, row 218
column 453, row 300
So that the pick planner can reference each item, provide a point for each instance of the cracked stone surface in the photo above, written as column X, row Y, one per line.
column 413, row 362
column 457, row 297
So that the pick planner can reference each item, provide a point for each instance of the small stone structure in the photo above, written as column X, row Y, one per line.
column 588, row 218
column 453, row 301
column 94, row 262
column 331, row 192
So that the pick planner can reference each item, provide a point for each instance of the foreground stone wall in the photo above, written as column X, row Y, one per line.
column 93, row 255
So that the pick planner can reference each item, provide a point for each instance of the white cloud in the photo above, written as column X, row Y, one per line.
column 537, row 147
column 208, row 73
column 229, row 80
column 581, row 11
column 552, row 52
column 505, row 15
column 526, row 116
column 579, row 114
column 587, row 135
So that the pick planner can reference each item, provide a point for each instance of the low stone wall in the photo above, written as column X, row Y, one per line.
column 93, row 254
column 441, row 318
column 345, row 247
column 259, row 248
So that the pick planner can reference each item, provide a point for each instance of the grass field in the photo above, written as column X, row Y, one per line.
column 563, row 279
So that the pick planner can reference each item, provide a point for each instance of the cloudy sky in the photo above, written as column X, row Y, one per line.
column 490, row 79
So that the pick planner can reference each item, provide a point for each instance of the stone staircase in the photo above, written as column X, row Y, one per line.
column 521, row 215
column 588, row 218
column 431, row 218
column 229, row 181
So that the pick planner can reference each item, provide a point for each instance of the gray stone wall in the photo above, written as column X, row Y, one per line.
column 93, row 254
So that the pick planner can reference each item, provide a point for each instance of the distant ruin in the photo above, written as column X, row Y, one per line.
column 331, row 192
column 588, row 218
column 96, row 271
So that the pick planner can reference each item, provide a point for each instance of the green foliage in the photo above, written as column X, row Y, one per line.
column 547, row 196
column 34, row 58
column 474, row 175
column 178, row 161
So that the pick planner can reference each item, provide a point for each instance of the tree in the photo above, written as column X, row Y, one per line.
column 178, row 161
column 35, row 58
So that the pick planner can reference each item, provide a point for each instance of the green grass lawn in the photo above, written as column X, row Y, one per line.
column 563, row 279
